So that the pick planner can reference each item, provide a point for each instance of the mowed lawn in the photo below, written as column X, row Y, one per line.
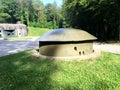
column 22, row 71
column 34, row 31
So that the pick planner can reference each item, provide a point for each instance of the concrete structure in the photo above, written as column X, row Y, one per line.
column 9, row 30
column 66, row 42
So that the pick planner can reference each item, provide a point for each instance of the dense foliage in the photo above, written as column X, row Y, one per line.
column 30, row 12
column 99, row 17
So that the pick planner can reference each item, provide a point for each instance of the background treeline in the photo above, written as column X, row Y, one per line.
column 99, row 17
column 31, row 12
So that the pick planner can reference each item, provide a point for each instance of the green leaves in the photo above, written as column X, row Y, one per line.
column 99, row 17
column 31, row 11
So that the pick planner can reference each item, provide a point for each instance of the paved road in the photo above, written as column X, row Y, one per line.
column 10, row 47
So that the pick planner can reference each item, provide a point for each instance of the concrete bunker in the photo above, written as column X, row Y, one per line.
column 11, row 30
column 66, row 42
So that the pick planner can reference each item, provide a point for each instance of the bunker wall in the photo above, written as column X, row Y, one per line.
column 60, row 50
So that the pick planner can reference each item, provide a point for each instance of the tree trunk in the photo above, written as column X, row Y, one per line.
column 119, row 27
column 118, row 6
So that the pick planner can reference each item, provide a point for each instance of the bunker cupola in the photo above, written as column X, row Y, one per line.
column 67, row 34
column 66, row 42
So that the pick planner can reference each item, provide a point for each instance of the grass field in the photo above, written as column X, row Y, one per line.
column 22, row 71
column 36, row 31
column 32, row 32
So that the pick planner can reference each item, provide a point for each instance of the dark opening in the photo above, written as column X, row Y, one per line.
column 75, row 48
column 80, row 53
column 83, row 52
column 42, row 43
column 93, row 51
column 10, row 31
column 37, row 50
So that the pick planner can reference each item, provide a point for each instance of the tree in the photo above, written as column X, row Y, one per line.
column 24, row 10
column 4, row 17
column 39, row 11
column 30, row 12
column 9, row 9
column 94, row 16
column 54, row 14
column 117, row 4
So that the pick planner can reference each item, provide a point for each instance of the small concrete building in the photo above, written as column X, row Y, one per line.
column 9, row 30
column 66, row 42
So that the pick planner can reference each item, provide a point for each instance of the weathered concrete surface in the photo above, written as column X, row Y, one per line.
column 66, row 50
column 10, row 47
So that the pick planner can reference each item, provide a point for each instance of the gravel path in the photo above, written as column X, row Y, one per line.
column 113, row 48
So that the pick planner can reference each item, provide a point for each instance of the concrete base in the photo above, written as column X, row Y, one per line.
column 66, row 50
column 95, row 54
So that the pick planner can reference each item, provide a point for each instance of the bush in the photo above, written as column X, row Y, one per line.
column 49, row 25
column 34, row 24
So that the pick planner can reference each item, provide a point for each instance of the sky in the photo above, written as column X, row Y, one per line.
column 59, row 2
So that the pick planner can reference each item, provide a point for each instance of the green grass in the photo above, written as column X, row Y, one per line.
column 22, row 71
column 32, row 31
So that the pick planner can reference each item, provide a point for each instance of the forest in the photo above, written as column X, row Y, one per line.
column 30, row 12
column 99, row 17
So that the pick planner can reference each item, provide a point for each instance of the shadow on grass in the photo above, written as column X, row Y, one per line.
column 24, row 72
